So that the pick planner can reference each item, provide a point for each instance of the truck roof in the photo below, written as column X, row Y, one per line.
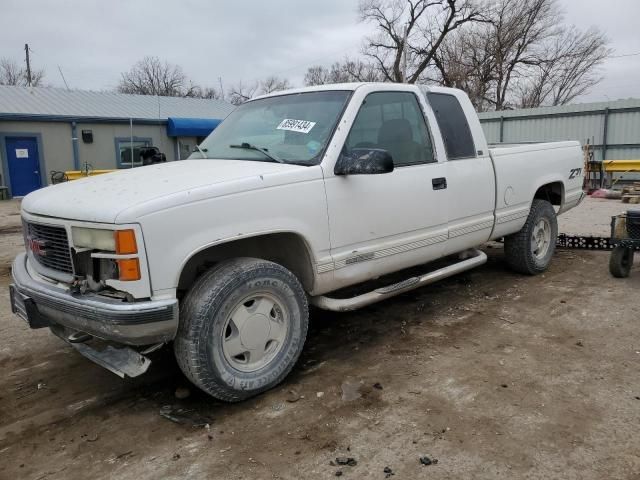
column 346, row 86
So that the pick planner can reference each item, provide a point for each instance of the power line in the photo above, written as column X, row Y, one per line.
column 625, row 55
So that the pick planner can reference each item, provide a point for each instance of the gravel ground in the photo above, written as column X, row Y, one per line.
column 592, row 217
column 493, row 374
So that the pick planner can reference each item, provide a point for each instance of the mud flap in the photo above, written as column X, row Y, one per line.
column 25, row 308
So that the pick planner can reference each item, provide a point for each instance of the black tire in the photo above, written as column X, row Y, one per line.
column 518, row 249
column 205, row 314
column 621, row 261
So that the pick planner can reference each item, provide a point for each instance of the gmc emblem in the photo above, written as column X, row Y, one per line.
column 37, row 246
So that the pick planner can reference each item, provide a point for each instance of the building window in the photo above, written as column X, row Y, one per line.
column 123, row 151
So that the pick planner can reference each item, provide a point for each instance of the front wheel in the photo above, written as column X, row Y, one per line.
column 530, row 250
column 242, row 328
column 621, row 261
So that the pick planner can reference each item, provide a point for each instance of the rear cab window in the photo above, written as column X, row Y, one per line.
column 454, row 128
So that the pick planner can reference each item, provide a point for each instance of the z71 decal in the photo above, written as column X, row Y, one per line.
column 574, row 172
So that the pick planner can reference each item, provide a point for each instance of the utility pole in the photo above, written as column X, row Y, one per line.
column 26, row 52
column 404, row 53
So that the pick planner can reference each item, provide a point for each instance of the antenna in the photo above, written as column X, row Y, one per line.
column 63, row 79
column 221, row 89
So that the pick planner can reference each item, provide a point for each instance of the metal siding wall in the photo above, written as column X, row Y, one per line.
column 624, row 127
column 627, row 153
column 572, row 122
column 553, row 129
column 597, row 153
column 492, row 131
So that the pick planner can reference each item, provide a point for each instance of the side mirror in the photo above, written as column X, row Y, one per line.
column 364, row 161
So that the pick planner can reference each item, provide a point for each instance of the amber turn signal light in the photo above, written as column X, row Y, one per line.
column 129, row 269
column 126, row 242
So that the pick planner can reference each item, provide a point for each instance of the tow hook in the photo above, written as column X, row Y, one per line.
column 79, row 337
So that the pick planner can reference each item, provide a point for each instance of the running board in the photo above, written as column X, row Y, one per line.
column 476, row 259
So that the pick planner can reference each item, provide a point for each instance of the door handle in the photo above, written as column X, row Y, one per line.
column 439, row 183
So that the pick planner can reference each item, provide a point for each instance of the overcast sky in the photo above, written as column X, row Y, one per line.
column 93, row 41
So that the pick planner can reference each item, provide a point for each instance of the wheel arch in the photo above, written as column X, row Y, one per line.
column 552, row 191
column 288, row 249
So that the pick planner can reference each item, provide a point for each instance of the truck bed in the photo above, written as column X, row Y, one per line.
column 517, row 165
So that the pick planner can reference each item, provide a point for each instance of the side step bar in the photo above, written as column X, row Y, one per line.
column 475, row 259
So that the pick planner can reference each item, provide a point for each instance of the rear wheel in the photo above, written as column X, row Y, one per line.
column 530, row 250
column 242, row 328
column 621, row 261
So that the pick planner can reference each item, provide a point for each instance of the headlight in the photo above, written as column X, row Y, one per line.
column 94, row 238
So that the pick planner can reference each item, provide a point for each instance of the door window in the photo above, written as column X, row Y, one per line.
column 454, row 128
column 392, row 121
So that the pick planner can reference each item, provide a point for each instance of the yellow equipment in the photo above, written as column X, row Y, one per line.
column 76, row 174
column 621, row 165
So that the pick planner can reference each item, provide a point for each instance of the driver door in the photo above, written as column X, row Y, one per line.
column 382, row 223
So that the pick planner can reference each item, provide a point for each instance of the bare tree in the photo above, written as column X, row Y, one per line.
column 518, row 27
column 465, row 61
column 568, row 68
column 316, row 75
column 415, row 27
column 241, row 92
column 359, row 71
column 11, row 73
column 521, row 56
column 197, row 91
column 151, row 76
column 349, row 70
column 273, row 84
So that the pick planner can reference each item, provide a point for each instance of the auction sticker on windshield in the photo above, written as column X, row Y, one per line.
column 302, row 126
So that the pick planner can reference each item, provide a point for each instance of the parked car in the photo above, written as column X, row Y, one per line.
column 295, row 196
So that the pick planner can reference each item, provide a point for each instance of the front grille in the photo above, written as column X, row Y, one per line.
column 49, row 246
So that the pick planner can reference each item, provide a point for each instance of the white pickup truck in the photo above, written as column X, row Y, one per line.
column 295, row 196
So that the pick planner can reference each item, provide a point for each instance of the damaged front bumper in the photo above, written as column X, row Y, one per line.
column 130, row 323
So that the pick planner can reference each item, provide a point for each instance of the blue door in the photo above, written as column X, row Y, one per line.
column 24, row 165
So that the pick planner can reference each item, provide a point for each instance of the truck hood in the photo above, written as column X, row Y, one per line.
column 104, row 198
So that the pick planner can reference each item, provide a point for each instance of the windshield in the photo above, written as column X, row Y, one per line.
column 291, row 128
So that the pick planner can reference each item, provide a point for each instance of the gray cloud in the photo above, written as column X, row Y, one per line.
column 93, row 41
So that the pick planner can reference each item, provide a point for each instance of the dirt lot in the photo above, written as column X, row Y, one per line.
column 496, row 375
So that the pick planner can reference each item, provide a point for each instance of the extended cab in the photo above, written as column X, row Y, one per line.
column 295, row 196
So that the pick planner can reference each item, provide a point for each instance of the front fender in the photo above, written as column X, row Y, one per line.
column 174, row 236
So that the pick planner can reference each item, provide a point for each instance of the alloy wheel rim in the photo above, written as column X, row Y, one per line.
column 541, row 238
column 254, row 332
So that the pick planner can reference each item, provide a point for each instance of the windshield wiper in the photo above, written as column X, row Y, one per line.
column 264, row 151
